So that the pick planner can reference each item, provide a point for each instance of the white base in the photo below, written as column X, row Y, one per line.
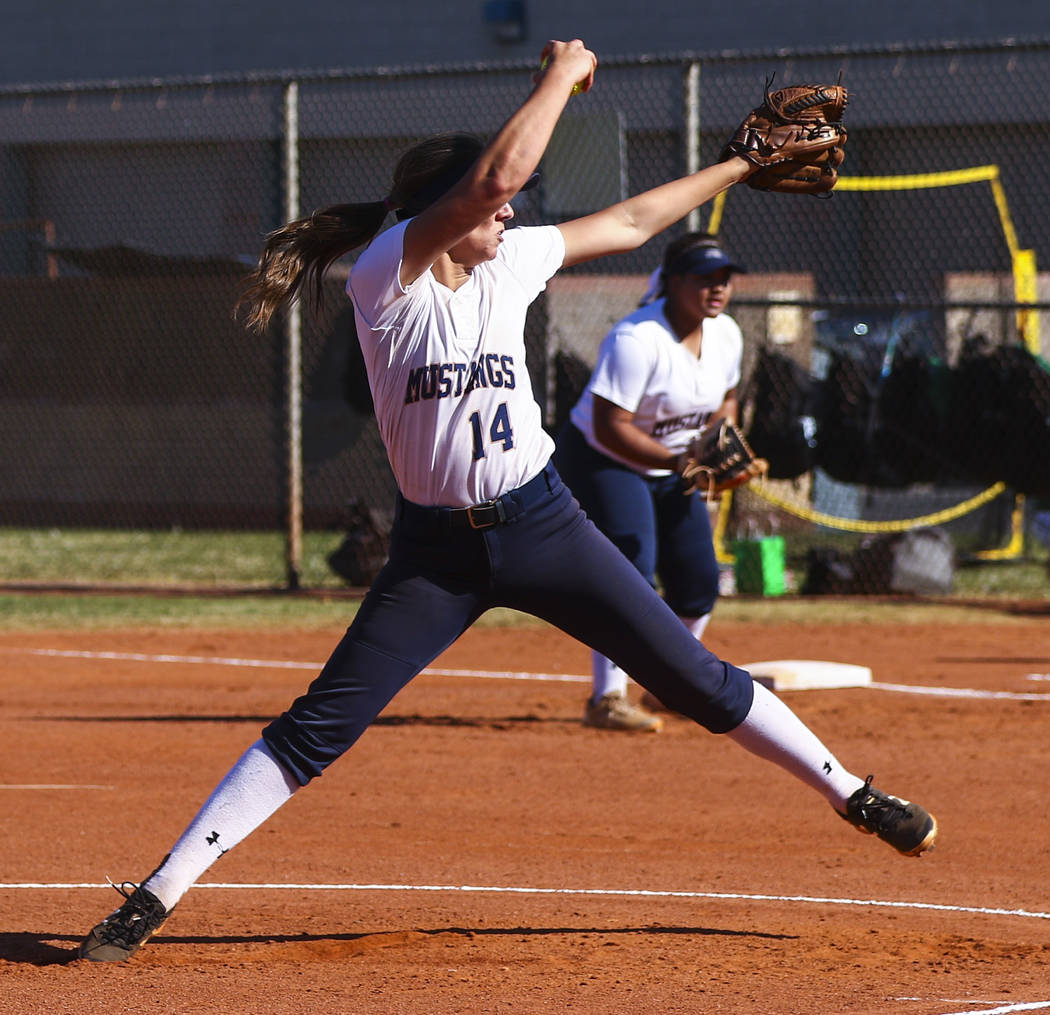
column 807, row 674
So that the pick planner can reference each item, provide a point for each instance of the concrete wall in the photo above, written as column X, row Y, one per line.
column 62, row 40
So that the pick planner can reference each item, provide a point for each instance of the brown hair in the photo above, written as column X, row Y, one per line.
column 296, row 256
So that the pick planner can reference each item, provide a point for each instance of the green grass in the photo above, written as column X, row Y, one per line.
column 236, row 579
column 1027, row 578
column 76, row 611
column 50, row 611
column 1006, row 579
column 172, row 558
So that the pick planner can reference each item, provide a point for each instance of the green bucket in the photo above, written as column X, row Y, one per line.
column 759, row 566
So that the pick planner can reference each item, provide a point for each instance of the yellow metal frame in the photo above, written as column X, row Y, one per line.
column 1025, row 274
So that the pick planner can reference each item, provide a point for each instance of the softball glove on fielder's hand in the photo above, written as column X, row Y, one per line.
column 719, row 459
column 795, row 139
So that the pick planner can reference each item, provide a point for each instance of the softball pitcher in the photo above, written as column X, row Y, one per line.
column 482, row 517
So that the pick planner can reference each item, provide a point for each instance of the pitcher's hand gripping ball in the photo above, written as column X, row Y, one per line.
column 719, row 459
column 576, row 88
column 795, row 139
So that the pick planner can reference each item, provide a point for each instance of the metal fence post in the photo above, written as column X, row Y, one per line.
column 293, row 346
column 691, row 119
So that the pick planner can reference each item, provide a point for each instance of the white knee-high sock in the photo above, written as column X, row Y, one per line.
column 606, row 677
column 773, row 732
column 251, row 791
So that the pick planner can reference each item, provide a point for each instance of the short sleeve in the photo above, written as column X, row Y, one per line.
column 734, row 352
column 533, row 254
column 374, row 284
column 621, row 375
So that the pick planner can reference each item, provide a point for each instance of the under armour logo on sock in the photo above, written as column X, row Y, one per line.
column 213, row 840
column 827, row 767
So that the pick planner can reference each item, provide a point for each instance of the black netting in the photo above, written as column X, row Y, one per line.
column 890, row 373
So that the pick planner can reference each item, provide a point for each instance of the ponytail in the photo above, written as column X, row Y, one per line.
column 296, row 257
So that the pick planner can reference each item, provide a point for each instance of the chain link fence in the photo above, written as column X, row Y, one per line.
column 895, row 358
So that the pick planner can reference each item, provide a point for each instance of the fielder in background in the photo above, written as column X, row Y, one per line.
column 664, row 373
column 482, row 518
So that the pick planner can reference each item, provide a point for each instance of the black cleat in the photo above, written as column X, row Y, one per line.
column 907, row 827
column 127, row 929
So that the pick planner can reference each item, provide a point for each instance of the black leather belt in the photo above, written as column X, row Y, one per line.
column 485, row 515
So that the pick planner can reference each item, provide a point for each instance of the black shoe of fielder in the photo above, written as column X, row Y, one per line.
column 127, row 929
column 907, row 827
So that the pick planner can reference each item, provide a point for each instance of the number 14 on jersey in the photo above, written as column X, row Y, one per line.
column 499, row 431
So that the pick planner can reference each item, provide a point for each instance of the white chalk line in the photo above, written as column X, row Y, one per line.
column 1005, row 1009
column 144, row 657
column 642, row 893
column 52, row 785
column 283, row 664
column 574, row 678
column 980, row 1007
column 975, row 1001
column 607, row 892
column 959, row 692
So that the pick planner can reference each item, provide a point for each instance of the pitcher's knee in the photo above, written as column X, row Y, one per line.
column 307, row 751
column 719, row 699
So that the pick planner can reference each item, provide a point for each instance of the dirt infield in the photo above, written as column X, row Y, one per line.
column 483, row 853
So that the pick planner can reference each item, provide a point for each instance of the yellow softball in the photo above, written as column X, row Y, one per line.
column 576, row 88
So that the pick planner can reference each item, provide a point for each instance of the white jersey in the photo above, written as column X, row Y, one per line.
column 447, row 369
column 643, row 368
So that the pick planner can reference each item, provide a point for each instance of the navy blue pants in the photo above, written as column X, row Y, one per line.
column 660, row 530
column 543, row 557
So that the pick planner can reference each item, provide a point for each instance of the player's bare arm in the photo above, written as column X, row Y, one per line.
column 729, row 409
column 505, row 164
column 615, row 427
column 629, row 224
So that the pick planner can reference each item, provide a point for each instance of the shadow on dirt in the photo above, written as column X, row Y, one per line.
column 38, row 949
column 27, row 948
column 474, row 722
